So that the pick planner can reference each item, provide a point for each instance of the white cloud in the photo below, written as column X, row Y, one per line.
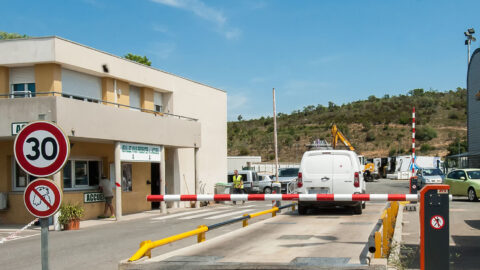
column 205, row 12
column 162, row 49
column 160, row 28
column 235, row 102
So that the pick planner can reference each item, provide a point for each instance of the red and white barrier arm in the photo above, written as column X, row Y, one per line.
column 284, row 197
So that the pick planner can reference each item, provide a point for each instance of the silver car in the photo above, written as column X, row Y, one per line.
column 264, row 184
column 430, row 176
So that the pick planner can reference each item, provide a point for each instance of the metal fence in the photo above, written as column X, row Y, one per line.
column 461, row 161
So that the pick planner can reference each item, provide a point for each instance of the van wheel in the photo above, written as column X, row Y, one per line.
column 364, row 204
column 302, row 210
column 357, row 210
column 267, row 190
column 472, row 196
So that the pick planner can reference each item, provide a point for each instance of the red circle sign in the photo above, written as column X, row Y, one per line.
column 42, row 198
column 437, row 222
column 41, row 148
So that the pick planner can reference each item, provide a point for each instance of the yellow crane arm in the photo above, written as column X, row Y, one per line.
column 337, row 134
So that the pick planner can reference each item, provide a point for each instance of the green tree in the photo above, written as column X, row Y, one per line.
column 239, row 117
column 139, row 59
column 457, row 147
column 5, row 35
column 425, row 133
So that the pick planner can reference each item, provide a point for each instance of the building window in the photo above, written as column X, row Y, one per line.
column 20, row 178
column 126, row 177
column 81, row 174
column 158, row 101
column 20, row 90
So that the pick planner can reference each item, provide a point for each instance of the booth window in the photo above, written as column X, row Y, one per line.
column 126, row 177
column 20, row 178
column 81, row 174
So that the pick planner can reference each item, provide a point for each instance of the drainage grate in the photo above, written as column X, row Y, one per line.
column 356, row 223
column 321, row 261
column 295, row 237
column 211, row 259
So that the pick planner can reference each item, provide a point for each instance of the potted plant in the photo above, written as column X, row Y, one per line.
column 70, row 215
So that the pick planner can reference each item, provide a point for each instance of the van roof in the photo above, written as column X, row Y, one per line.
column 330, row 151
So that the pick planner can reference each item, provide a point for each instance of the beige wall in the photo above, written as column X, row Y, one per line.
column 4, row 87
column 146, row 98
column 48, row 78
column 108, row 94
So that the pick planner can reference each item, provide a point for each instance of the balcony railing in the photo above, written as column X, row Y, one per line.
column 29, row 94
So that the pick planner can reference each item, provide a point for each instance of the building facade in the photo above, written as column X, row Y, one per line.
column 473, row 110
column 144, row 128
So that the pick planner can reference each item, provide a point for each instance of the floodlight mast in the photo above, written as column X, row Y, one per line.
column 468, row 41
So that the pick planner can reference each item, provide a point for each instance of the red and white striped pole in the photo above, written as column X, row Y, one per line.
column 413, row 142
column 284, row 197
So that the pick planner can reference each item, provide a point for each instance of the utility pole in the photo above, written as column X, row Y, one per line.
column 275, row 136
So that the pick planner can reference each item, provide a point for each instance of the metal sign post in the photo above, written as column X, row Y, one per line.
column 434, row 227
column 41, row 149
column 414, row 185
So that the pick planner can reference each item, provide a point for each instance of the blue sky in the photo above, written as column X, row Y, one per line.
column 312, row 52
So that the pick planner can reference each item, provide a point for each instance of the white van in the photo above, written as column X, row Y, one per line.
column 330, row 172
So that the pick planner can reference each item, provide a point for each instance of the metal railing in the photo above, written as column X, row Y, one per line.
column 29, row 94
column 147, row 246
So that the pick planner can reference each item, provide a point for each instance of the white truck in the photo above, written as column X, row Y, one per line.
column 330, row 172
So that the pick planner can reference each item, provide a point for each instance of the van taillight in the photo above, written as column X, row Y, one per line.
column 356, row 180
column 299, row 180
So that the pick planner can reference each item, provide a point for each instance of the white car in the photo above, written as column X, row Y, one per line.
column 330, row 172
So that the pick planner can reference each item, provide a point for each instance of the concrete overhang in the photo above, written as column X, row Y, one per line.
column 97, row 122
column 75, row 56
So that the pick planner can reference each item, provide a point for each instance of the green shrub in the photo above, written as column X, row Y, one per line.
column 425, row 133
column 453, row 116
column 370, row 137
column 244, row 151
column 426, row 147
column 392, row 152
column 69, row 212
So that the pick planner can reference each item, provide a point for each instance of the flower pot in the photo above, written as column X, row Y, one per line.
column 74, row 224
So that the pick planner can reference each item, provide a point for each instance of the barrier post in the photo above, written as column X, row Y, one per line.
column 245, row 221
column 378, row 245
column 434, row 227
column 201, row 236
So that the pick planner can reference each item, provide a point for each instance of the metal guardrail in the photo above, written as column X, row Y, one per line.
column 147, row 246
column 28, row 94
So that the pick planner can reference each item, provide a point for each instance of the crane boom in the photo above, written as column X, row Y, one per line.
column 337, row 134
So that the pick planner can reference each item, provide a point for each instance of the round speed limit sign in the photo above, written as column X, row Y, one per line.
column 41, row 148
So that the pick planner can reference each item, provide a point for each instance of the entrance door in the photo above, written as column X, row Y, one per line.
column 155, row 186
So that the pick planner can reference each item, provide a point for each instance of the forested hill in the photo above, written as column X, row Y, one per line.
column 376, row 127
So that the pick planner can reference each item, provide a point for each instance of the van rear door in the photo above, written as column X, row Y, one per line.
column 317, row 173
column 343, row 173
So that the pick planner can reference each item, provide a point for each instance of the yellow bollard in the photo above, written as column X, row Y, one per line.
column 201, row 236
column 149, row 252
column 378, row 245
column 274, row 213
column 293, row 207
column 385, row 237
column 245, row 221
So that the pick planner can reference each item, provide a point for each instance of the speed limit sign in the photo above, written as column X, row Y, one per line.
column 41, row 148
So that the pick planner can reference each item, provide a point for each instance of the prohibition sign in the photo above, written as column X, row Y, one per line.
column 42, row 198
column 437, row 222
column 41, row 148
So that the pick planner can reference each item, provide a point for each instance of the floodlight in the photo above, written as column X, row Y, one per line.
column 471, row 31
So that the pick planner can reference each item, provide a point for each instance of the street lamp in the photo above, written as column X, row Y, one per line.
column 468, row 41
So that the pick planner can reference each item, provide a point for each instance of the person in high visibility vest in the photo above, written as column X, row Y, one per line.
column 237, row 184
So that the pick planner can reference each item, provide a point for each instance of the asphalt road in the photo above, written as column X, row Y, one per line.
column 103, row 246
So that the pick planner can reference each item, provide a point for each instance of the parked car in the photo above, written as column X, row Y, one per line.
column 430, row 176
column 265, row 184
column 287, row 178
column 464, row 182
column 330, row 172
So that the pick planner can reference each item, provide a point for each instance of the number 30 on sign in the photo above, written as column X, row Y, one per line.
column 41, row 148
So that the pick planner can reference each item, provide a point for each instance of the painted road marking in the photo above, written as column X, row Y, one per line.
column 204, row 214
column 228, row 214
column 180, row 214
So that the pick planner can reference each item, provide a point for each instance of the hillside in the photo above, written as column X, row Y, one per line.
column 376, row 127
